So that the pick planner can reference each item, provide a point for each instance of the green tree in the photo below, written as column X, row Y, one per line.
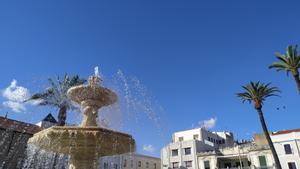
column 56, row 95
column 257, row 93
column 289, row 62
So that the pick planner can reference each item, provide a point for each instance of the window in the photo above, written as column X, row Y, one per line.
column 175, row 152
column 262, row 161
column 188, row 163
column 206, row 165
column 154, row 165
column 140, row 164
column 287, row 149
column 292, row 165
column 223, row 141
column 208, row 138
column 147, row 164
column 131, row 163
column 187, row 151
column 238, row 164
column 115, row 166
column 125, row 163
column 196, row 136
column 180, row 138
column 175, row 165
column 105, row 166
column 227, row 165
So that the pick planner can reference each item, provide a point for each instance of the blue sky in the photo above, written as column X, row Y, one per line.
column 192, row 56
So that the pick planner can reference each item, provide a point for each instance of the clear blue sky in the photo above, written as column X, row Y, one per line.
column 193, row 56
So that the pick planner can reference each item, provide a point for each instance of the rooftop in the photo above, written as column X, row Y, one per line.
column 286, row 131
column 22, row 127
column 50, row 118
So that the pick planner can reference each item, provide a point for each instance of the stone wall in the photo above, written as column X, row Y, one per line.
column 12, row 148
column 13, row 141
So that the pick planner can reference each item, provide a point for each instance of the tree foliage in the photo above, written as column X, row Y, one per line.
column 289, row 62
column 56, row 94
column 257, row 92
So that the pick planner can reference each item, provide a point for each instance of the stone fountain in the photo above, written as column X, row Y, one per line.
column 87, row 142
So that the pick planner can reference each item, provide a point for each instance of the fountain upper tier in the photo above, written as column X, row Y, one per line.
column 91, row 97
column 93, row 92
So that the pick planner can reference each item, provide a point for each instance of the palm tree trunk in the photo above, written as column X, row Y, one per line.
column 297, row 79
column 62, row 116
column 266, row 132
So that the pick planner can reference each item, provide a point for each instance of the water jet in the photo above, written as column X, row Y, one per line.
column 87, row 142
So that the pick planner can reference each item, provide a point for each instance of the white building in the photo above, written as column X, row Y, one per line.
column 129, row 161
column 247, row 154
column 185, row 146
column 287, row 144
column 47, row 122
column 201, row 149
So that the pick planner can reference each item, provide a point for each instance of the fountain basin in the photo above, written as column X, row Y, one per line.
column 100, row 96
column 70, row 140
column 84, row 144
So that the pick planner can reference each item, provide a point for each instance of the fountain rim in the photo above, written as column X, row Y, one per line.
column 78, row 128
column 78, row 99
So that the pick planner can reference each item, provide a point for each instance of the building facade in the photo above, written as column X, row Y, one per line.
column 242, row 155
column 287, row 144
column 202, row 149
column 129, row 161
column 47, row 122
column 186, row 145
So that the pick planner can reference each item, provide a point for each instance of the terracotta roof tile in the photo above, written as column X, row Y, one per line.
column 18, row 126
column 285, row 131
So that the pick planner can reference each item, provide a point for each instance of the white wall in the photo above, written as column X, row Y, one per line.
column 293, row 139
column 205, row 141
column 212, row 161
column 45, row 124
column 232, row 155
column 211, row 138
column 254, row 157
column 168, row 159
column 187, row 135
column 201, row 144
column 130, row 161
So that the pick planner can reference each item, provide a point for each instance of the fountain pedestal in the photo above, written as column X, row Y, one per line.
column 86, row 143
column 83, row 160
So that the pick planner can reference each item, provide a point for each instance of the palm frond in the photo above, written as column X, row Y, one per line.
column 257, row 92
column 56, row 94
column 289, row 62
column 76, row 80
column 279, row 66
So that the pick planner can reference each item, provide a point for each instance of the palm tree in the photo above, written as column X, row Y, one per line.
column 289, row 62
column 56, row 96
column 257, row 93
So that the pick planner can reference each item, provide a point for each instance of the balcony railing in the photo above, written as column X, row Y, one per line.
column 267, row 167
column 251, row 167
column 237, row 168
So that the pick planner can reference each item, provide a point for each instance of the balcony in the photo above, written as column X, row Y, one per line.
column 251, row 167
